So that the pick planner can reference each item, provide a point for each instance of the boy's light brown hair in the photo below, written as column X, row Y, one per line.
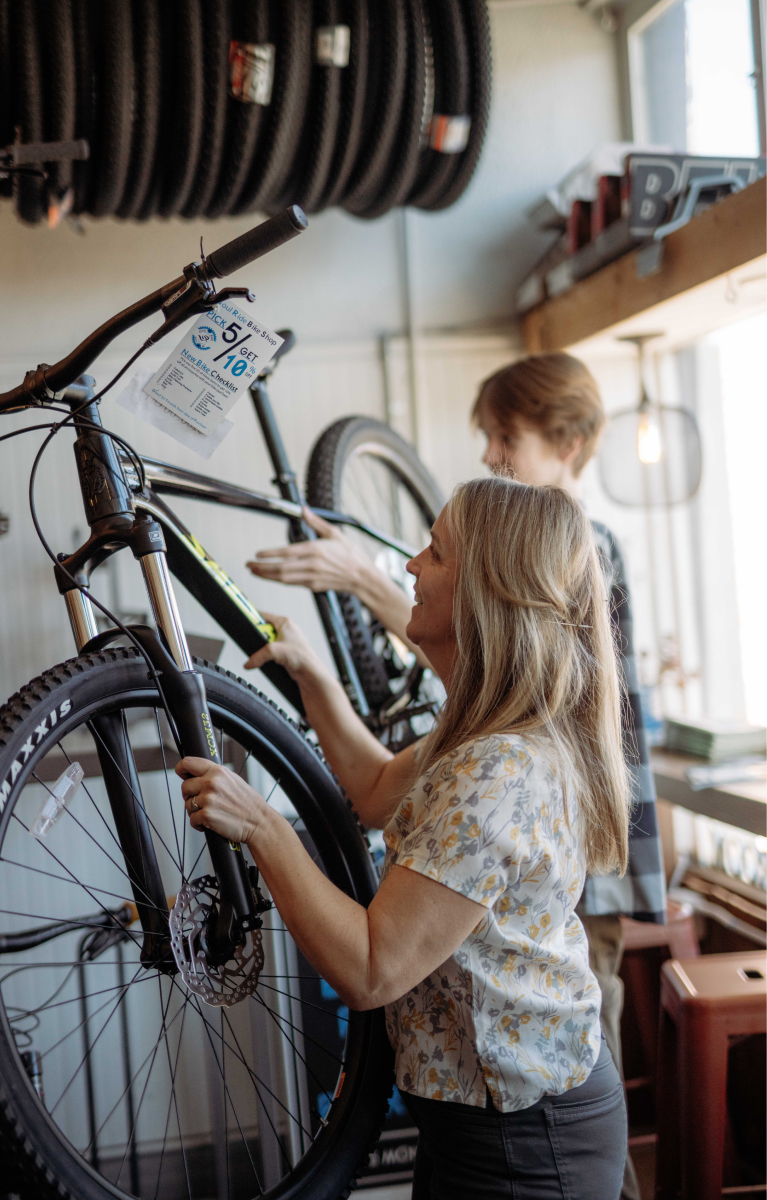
column 554, row 393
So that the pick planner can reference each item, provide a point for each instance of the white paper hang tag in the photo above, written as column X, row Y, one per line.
column 134, row 399
column 217, row 359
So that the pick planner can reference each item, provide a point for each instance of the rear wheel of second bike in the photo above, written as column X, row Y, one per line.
column 361, row 467
column 116, row 1079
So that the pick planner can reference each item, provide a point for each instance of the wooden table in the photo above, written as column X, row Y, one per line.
column 741, row 804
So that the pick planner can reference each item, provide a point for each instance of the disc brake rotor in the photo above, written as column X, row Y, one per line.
column 218, row 985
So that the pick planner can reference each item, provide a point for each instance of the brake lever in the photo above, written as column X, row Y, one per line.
column 198, row 297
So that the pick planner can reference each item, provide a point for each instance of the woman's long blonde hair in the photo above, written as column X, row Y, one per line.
column 535, row 650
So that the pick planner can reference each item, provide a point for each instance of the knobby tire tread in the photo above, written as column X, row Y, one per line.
column 350, row 121
column 216, row 37
column 403, row 169
column 146, row 116
column 83, row 171
column 287, row 111
column 60, row 69
column 114, row 83
column 24, row 1164
column 28, row 190
column 478, row 27
column 244, row 122
column 315, row 155
column 388, row 35
column 451, row 95
column 185, row 98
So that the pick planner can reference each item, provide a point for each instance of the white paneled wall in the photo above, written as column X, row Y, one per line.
column 449, row 371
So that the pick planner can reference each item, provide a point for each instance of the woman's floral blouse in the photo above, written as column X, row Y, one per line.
column 516, row 1007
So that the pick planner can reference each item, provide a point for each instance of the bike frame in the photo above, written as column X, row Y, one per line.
column 124, row 511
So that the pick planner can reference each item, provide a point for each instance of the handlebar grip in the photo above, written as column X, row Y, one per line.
column 256, row 242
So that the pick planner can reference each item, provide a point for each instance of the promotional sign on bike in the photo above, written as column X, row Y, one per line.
column 209, row 369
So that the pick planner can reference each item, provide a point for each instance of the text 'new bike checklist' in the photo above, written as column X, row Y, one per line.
column 220, row 355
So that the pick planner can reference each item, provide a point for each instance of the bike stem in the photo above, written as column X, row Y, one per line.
column 109, row 510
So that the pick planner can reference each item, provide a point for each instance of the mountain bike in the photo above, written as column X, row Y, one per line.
column 160, row 1033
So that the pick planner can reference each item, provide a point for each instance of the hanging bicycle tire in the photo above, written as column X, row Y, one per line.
column 222, row 109
column 244, row 122
column 480, row 73
column 403, row 166
column 116, row 1080
column 362, row 467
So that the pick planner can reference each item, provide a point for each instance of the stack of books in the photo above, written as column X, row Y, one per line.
column 715, row 738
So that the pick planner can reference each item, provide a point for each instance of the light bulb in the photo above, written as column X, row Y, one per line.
column 649, row 442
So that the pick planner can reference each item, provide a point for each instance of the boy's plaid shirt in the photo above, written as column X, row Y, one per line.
column 641, row 893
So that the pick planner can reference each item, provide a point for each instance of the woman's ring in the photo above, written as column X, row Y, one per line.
column 194, row 805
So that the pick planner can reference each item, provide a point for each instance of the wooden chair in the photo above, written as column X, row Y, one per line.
column 705, row 1001
column 640, row 973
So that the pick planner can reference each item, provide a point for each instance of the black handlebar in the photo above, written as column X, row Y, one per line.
column 230, row 257
column 255, row 243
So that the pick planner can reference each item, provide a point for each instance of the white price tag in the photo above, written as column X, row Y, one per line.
column 220, row 355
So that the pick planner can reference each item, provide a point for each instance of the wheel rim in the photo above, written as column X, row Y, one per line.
column 160, row 1095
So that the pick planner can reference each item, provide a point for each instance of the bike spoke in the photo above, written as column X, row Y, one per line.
column 172, row 1069
column 135, row 1075
column 208, row 1028
column 306, row 1003
column 140, row 803
column 153, row 1052
column 85, row 1021
column 276, row 1017
column 74, row 877
column 73, row 881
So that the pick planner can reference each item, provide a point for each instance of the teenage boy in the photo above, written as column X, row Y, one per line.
column 542, row 417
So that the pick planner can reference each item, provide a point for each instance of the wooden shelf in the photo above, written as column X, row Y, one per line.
column 741, row 804
column 722, row 239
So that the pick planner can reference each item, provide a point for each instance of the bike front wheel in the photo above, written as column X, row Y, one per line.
column 115, row 1079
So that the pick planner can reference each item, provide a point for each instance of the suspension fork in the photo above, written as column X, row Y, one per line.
column 327, row 602
column 109, row 510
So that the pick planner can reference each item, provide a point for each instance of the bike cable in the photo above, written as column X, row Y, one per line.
column 55, row 428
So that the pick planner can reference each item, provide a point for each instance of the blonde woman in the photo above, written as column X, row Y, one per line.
column 472, row 942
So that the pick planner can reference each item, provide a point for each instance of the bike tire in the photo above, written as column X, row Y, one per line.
column 350, row 123
column 292, row 20
column 34, row 724
column 315, row 156
column 404, row 167
column 114, row 104
column 186, row 99
column 339, row 450
column 6, row 86
column 28, row 190
column 244, row 122
column 83, row 171
column 387, row 76
column 480, row 51
column 216, row 38
column 451, row 95
column 146, row 117
column 60, row 65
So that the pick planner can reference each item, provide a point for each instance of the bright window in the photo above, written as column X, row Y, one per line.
column 742, row 365
column 692, row 77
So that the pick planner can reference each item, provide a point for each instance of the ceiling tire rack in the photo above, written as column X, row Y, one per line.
column 221, row 107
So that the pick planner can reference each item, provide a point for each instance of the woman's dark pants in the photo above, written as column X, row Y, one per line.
column 568, row 1147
